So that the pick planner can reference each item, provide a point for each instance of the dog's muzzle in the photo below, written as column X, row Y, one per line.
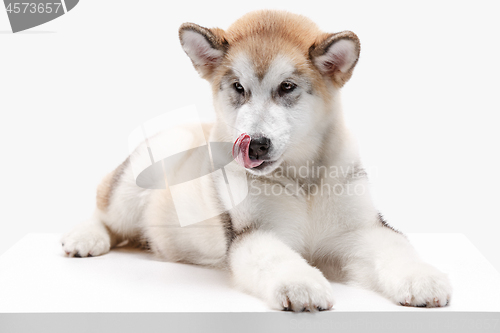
column 242, row 148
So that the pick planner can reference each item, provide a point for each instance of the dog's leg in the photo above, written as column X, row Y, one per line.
column 91, row 238
column 98, row 234
column 263, row 265
column 385, row 261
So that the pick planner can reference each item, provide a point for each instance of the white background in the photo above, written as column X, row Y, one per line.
column 423, row 102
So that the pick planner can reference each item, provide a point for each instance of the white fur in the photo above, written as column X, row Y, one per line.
column 283, row 279
column 286, row 245
column 88, row 239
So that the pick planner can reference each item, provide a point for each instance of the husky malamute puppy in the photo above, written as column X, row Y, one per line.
column 308, row 217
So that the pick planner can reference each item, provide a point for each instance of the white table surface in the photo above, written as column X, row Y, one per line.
column 35, row 277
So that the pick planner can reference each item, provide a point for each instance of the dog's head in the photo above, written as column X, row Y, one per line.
column 274, row 76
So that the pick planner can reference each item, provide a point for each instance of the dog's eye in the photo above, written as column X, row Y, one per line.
column 287, row 86
column 238, row 87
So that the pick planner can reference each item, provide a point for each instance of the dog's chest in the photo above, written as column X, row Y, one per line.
column 307, row 221
column 300, row 215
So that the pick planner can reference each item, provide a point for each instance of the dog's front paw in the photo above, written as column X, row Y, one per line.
column 301, row 290
column 423, row 286
column 86, row 240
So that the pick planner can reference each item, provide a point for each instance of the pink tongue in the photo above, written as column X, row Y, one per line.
column 241, row 148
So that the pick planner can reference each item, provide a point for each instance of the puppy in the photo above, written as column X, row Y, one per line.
column 306, row 216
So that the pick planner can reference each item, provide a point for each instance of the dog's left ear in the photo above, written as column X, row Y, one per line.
column 335, row 55
column 205, row 47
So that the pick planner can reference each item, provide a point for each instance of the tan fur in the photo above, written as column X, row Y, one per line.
column 279, row 247
column 107, row 185
column 263, row 35
column 104, row 192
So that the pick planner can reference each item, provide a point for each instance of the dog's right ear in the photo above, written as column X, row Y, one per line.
column 205, row 47
column 335, row 55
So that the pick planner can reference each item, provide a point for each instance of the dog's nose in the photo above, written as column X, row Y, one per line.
column 259, row 147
